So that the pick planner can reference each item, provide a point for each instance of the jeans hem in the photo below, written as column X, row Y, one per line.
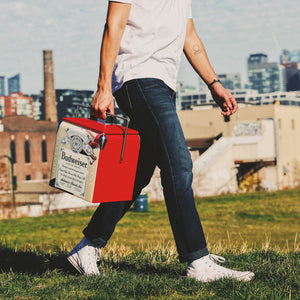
column 194, row 255
column 97, row 241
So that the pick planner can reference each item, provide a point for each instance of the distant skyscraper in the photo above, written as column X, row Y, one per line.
column 67, row 101
column 257, row 58
column 2, row 85
column 265, row 77
column 14, row 84
column 291, row 61
column 231, row 81
column 38, row 106
column 288, row 57
column 17, row 104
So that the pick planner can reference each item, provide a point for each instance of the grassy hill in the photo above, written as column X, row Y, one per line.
column 256, row 231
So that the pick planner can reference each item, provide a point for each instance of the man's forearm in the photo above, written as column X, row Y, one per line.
column 197, row 56
column 116, row 20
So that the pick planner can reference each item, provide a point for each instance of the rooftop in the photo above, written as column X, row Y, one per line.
column 22, row 123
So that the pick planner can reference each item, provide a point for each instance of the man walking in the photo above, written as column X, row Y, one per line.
column 140, row 55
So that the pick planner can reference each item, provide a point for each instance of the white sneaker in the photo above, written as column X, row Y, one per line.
column 84, row 258
column 206, row 269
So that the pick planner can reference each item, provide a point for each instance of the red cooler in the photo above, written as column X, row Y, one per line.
column 95, row 161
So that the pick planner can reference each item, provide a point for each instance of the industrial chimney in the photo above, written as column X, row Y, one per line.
column 49, row 90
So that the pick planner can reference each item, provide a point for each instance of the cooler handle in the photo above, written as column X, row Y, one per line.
column 110, row 116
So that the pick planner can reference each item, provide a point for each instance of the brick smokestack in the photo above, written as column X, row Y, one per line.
column 49, row 90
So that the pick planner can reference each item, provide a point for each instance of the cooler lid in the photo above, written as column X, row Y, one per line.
column 99, row 126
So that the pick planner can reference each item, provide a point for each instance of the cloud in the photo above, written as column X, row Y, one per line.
column 230, row 30
column 71, row 28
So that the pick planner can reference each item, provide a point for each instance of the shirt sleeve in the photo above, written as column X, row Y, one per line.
column 122, row 1
column 190, row 16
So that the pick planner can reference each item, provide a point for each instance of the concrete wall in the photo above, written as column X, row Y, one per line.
column 286, row 118
column 214, row 171
column 289, row 144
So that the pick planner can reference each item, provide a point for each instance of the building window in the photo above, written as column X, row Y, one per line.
column 28, row 177
column 45, row 176
column 13, row 151
column 44, row 151
column 27, row 151
column 293, row 124
column 15, row 181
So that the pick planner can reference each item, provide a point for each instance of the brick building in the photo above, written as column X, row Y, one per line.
column 31, row 144
column 16, row 104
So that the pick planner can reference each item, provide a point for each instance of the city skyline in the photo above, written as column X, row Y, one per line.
column 230, row 31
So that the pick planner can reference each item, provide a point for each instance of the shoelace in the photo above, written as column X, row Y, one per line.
column 98, row 254
column 216, row 258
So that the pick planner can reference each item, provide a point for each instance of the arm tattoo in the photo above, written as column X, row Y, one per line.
column 196, row 49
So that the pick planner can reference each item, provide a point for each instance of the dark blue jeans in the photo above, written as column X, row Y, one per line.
column 150, row 104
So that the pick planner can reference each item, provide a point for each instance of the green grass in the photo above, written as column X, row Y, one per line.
column 255, row 231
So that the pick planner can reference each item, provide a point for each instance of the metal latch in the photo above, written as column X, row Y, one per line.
column 109, row 120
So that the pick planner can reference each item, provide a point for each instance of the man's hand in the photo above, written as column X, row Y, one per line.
column 102, row 102
column 224, row 99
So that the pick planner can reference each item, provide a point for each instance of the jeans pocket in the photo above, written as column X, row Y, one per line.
column 150, row 84
column 123, row 100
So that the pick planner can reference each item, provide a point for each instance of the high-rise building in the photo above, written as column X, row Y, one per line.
column 292, row 71
column 2, row 85
column 38, row 106
column 231, row 81
column 291, row 61
column 14, row 85
column 264, row 76
column 68, row 100
column 257, row 58
column 287, row 56
column 16, row 104
column 2, row 107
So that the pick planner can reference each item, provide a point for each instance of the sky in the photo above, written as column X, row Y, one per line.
column 230, row 29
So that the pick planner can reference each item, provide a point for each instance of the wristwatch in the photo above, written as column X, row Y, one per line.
column 213, row 82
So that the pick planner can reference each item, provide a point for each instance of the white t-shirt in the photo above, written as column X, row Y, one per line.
column 152, row 42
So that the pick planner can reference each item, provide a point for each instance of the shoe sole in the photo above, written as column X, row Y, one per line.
column 246, row 277
column 75, row 264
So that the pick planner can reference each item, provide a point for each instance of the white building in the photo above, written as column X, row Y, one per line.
column 196, row 100
column 255, row 149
